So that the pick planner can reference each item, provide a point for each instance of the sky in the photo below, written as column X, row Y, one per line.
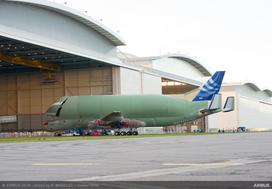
column 230, row 35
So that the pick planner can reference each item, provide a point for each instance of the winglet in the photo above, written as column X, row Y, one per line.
column 211, row 87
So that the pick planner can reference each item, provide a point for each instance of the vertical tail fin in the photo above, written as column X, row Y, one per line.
column 211, row 87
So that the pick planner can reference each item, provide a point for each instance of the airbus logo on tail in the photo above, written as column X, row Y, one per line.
column 211, row 87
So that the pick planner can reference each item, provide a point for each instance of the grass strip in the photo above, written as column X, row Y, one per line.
column 76, row 138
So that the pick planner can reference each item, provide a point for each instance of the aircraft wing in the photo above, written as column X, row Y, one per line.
column 114, row 116
column 115, row 119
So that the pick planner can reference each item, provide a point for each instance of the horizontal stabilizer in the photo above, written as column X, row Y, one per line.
column 215, row 105
column 216, row 102
column 229, row 104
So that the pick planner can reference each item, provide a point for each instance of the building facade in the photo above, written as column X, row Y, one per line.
column 253, row 109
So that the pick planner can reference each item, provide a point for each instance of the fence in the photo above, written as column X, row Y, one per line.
column 25, row 134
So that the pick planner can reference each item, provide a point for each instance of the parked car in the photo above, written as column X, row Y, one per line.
column 72, row 133
column 95, row 133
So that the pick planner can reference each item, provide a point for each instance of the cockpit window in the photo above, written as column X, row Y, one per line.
column 62, row 99
column 54, row 109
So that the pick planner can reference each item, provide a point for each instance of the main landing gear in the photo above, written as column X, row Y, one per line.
column 124, row 132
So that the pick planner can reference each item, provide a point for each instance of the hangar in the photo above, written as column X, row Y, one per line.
column 253, row 109
column 180, row 74
column 48, row 50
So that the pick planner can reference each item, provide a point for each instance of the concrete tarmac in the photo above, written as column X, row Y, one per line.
column 226, row 157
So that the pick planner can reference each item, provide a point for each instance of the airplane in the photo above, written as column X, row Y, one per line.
column 133, row 111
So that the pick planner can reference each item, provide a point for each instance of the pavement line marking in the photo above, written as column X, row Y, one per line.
column 62, row 164
column 166, row 171
column 234, row 162
column 225, row 163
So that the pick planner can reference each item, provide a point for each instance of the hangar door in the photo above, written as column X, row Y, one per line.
column 28, row 95
column 8, row 101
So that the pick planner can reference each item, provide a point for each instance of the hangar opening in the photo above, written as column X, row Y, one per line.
column 184, row 91
column 33, row 77
column 171, row 87
column 48, row 50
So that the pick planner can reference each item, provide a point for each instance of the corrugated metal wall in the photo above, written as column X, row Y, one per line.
column 254, row 114
column 26, row 96
column 8, row 98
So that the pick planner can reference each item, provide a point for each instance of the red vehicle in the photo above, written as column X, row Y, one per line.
column 95, row 133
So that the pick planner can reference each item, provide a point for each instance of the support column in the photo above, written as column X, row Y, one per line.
column 116, row 81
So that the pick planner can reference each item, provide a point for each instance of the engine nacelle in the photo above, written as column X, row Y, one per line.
column 96, row 123
column 127, row 123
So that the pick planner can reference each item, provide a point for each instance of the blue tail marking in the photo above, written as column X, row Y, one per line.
column 211, row 87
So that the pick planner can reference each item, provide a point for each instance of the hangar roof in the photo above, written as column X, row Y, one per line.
column 268, row 92
column 77, row 15
column 185, row 58
column 252, row 86
column 15, row 49
column 191, row 61
column 257, row 89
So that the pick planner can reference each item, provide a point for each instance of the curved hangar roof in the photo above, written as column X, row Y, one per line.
column 193, row 62
column 146, row 60
column 53, row 33
column 77, row 15
column 171, row 66
column 252, row 87
column 257, row 89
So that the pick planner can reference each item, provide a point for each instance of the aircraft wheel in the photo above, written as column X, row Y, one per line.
column 123, row 133
column 129, row 133
column 117, row 133
column 135, row 133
